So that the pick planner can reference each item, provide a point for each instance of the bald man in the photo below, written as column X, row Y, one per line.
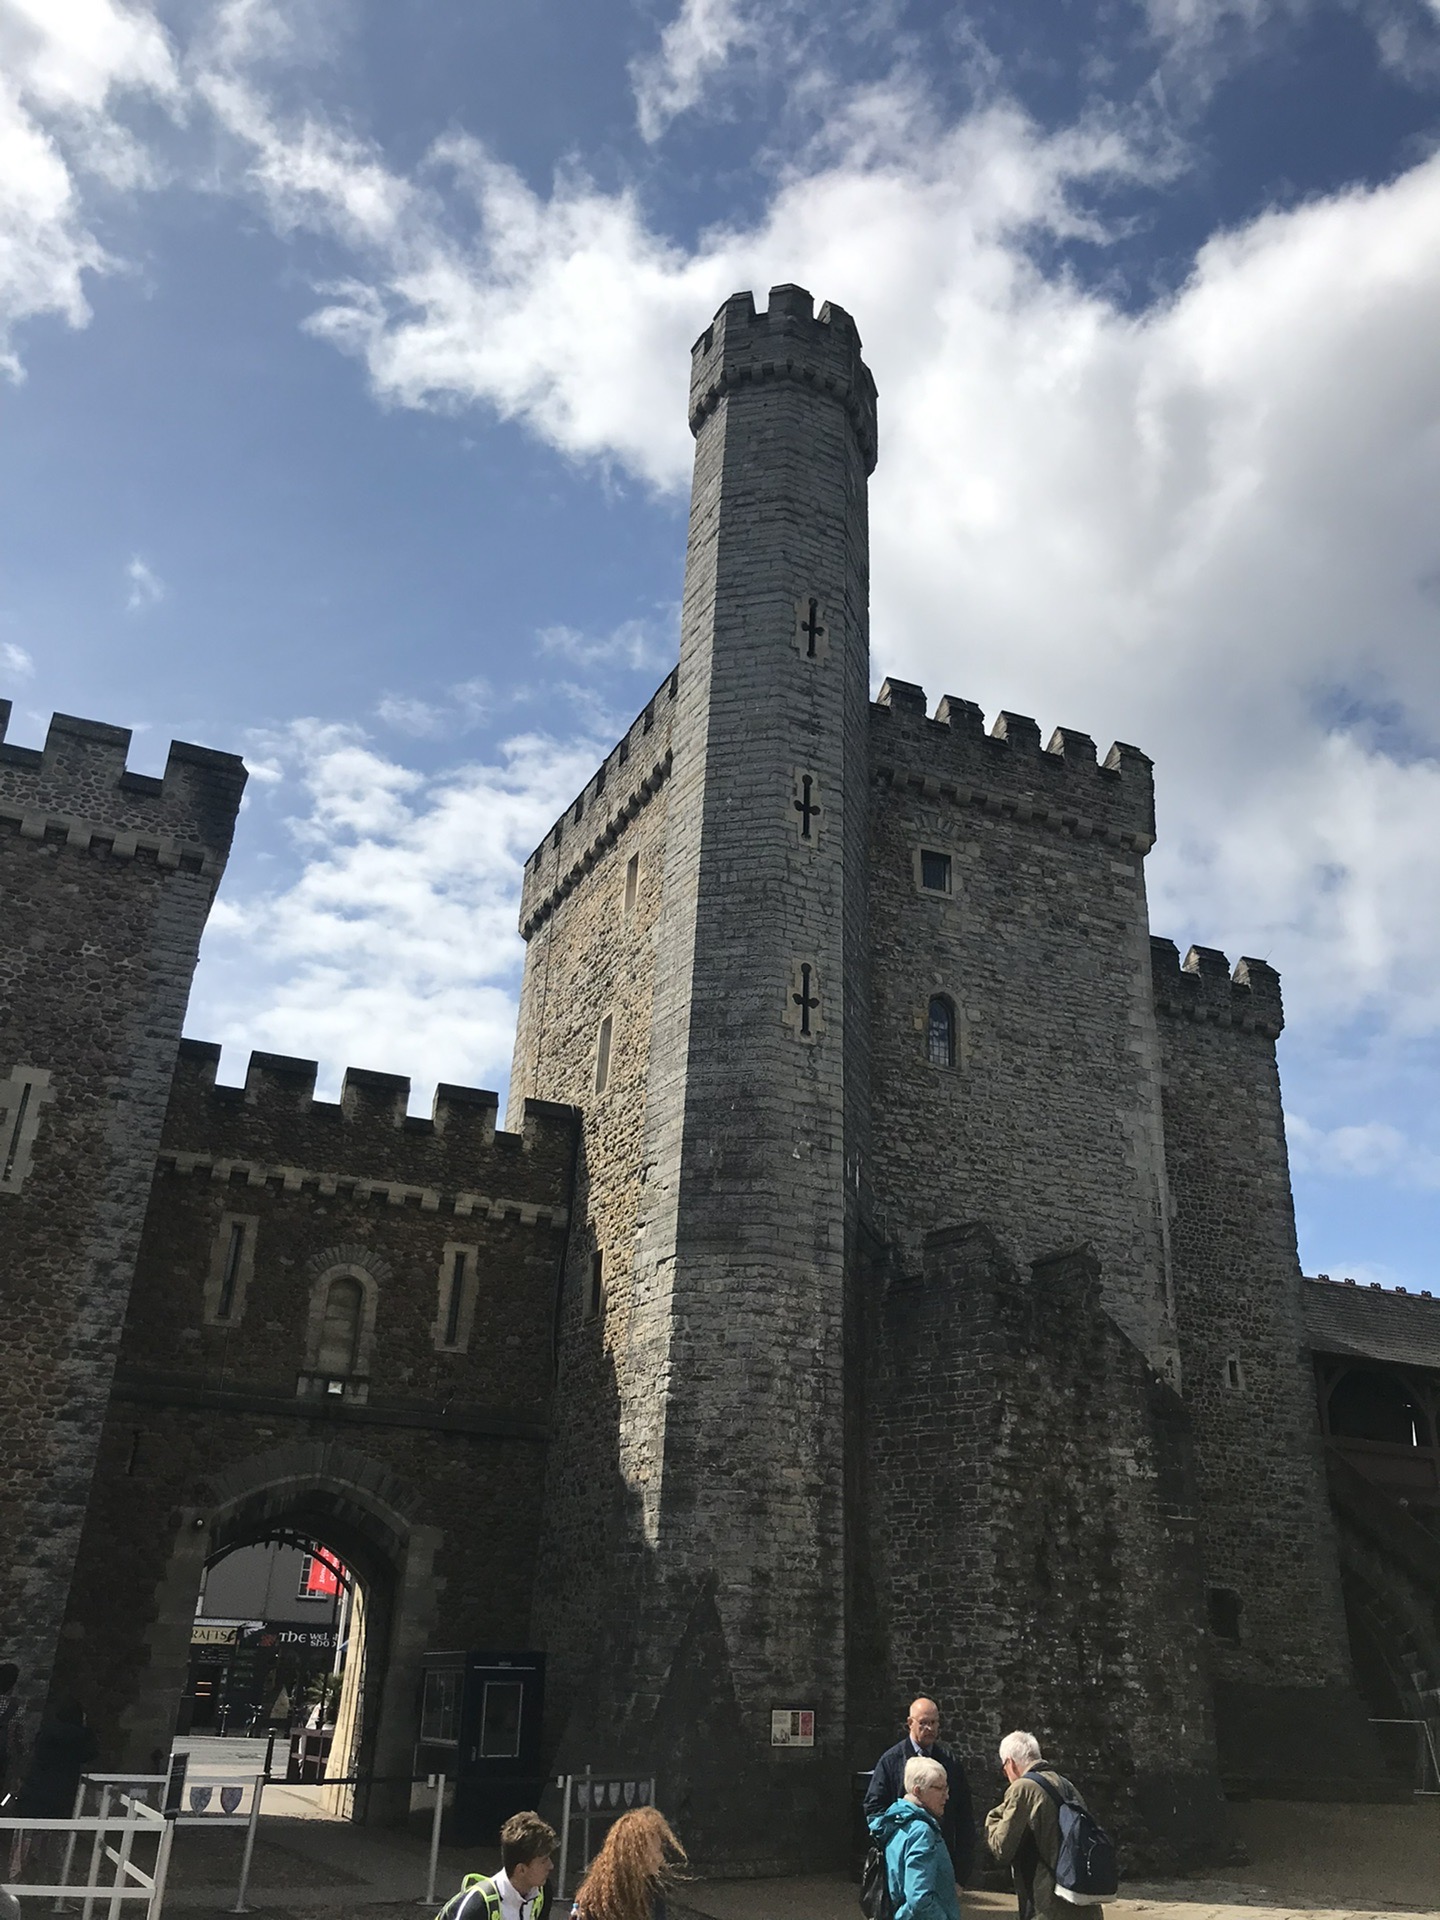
column 887, row 1783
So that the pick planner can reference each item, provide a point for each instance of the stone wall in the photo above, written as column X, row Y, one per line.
column 223, row 1422
column 1282, row 1672
column 1048, row 1123
column 106, row 879
column 591, row 956
column 1034, row 1524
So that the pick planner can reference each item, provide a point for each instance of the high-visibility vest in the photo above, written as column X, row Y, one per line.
column 461, row 1906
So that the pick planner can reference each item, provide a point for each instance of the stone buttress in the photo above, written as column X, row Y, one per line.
column 1285, row 1705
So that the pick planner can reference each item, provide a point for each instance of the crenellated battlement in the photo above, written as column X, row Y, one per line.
column 626, row 780
column 78, row 785
column 272, row 1130
column 1203, row 987
column 1062, row 784
column 788, row 342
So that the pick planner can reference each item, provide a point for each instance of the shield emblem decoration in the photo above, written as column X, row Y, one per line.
column 582, row 1794
column 614, row 1793
column 200, row 1798
column 230, row 1798
column 629, row 1793
column 643, row 1791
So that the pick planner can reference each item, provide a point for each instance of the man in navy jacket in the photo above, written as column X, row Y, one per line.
column 887, row 1783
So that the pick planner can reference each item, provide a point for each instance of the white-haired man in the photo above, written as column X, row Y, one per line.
column 917, row 1861
column 922, row 1741
column 1023, row 1832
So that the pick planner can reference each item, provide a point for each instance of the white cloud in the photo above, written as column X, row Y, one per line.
column 634, row 644
column 1372, row 1151
column 146, row 589
column 396, row 947
column 462, row 707
column 1206, row 527
column 62, row 65
column 16, row 660
column 697, row 44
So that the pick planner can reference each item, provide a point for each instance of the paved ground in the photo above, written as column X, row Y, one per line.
column 1325, row 1863
column 1320, row 1862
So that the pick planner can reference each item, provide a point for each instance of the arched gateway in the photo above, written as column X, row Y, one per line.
column 412, row 1449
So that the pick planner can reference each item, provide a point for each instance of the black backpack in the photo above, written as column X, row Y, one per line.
column 875, row 1901
column 1086, row 1871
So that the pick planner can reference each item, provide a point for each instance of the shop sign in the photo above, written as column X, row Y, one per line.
column 204, row 1635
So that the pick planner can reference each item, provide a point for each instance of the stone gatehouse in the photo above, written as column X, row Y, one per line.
column 887, row 1279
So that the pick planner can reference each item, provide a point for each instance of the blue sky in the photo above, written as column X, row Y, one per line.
column 342, row 425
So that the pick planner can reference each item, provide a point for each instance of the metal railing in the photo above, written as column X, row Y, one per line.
column 588, row 1797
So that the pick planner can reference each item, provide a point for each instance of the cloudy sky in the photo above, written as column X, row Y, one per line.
column 343, row 352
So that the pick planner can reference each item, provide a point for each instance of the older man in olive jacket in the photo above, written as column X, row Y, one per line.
column 1023, row 1833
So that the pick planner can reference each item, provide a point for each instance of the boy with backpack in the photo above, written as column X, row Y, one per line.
column 1061, row 1857
column 518, row 1891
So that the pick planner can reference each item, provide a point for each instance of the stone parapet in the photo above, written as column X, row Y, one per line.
column 626, row 780
column 789, row 342
column 79, row 786
column 1203, row 987
column 1062, row 785
column 274, row 1129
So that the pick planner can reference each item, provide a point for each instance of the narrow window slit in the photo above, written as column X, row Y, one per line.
column 231, row 1275
column 452, row 1311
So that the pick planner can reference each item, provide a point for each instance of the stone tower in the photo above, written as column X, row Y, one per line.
column 106, row 879
column 723, row 977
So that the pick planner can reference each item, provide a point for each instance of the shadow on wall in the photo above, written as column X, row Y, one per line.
column 1033, row 1531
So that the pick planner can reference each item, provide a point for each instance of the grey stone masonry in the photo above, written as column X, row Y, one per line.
column 106, row 879
column 724, row 1340
column 263, row 1200
column 1042, row 1470
column 1283, row 1696
column 1047, row 1121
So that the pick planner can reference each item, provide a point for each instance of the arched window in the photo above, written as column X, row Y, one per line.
column 340, row 1328
column 940, row 1033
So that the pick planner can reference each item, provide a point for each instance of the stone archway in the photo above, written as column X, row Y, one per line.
column 355, row 1504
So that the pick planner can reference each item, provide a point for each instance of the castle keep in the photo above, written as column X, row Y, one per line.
column 886, row 1280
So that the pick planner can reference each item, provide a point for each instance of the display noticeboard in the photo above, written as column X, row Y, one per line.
column 792, row 1727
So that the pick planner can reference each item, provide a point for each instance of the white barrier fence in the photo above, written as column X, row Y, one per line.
column 113, row 1837
column 150, row 1804
column 189, row 1803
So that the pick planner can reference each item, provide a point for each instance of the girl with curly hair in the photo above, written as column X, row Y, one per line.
column 629, row 1876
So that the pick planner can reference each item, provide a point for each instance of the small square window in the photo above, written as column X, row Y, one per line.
column 934, row 871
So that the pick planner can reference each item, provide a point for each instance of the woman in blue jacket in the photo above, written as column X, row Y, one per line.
column 917, row 1861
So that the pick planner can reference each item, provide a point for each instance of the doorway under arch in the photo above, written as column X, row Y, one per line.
column 360, row 1512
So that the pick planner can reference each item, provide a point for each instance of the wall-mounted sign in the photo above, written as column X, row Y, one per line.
column 792, row 1727
column 206, row 1636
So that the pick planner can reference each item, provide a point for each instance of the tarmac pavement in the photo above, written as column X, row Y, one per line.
column 1306, row 1862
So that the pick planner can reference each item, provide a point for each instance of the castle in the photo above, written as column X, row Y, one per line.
column 887, row 1278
